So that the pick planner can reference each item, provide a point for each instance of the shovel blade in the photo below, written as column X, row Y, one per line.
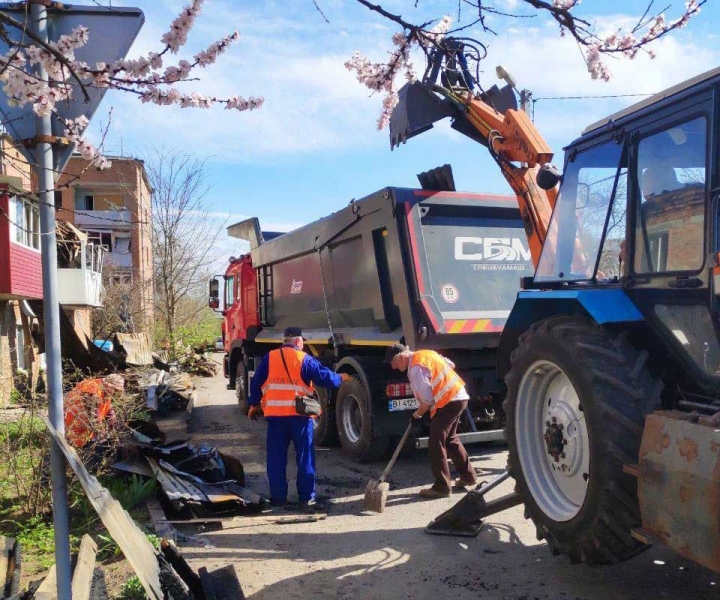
column 375, row 496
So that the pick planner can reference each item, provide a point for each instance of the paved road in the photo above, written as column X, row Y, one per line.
column 353, row 555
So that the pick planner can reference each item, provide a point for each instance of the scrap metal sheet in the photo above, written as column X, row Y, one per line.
column 679, row 485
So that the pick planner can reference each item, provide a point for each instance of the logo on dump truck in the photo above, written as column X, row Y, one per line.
column 493, row 250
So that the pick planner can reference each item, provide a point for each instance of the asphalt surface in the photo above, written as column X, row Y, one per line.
column 357, row 555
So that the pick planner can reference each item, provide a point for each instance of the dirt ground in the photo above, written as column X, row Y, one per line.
column 354, row 555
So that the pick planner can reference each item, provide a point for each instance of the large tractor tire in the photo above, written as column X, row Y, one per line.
column 576, row 404
column 326, row 433
column 356, row 423
column 242, row 387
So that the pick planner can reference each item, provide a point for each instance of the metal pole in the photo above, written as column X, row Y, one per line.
column 44, row 169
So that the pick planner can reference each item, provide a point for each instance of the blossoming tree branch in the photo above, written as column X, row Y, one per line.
column 153, row 78
column 594, row 45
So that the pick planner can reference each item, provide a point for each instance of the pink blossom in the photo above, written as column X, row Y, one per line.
column 380, row 77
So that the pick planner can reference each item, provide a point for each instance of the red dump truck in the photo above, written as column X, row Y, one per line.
column 433, row 269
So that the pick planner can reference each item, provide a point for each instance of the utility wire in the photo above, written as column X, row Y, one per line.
column 591, row 97
column 601, row 96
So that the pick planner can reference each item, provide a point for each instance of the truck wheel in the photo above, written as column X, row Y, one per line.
column 576, row 403
column 326, row 433
column 241, row 385
column 356, row 423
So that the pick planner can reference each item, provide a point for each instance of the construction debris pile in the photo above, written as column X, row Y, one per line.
column 196, row 480
column 197, row 362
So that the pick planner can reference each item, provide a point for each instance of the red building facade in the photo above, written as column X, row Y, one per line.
column 20, row 264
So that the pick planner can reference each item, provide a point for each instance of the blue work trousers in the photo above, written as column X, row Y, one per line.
column 280, row 430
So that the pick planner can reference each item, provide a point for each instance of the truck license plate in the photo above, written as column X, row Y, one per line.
column 402, row 404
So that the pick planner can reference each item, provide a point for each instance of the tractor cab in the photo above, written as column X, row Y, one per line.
column 636, row 213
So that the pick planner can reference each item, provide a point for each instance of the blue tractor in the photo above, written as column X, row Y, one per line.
column 610, row 355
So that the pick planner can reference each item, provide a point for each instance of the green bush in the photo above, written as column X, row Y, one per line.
column 133, row 590
column 200, row 332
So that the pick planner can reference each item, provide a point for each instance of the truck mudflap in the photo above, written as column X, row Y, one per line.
column 679, row 485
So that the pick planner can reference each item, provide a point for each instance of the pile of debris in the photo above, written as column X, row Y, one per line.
column 164, row 574
column 164, row 391
column 196, row 362
column 197, row 481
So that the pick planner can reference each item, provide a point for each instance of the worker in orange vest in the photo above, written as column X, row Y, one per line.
column 281, row 375
column 440, row 390
column 89, row 411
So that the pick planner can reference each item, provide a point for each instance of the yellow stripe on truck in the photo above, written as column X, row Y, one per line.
column 480, row 325
column 457, row 326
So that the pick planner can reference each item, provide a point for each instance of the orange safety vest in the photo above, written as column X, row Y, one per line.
column 444, row 381
column 278, row 399
column 86, row 406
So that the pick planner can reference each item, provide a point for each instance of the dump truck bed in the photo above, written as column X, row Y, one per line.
column 440, row 269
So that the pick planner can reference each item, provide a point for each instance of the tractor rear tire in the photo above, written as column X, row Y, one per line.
column 576, row 404
column 326, row 433
column 356, row 423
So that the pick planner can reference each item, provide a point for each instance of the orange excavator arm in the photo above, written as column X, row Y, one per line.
column 493, row 120
column 512, row 138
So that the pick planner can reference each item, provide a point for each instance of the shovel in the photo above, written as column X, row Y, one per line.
column 376, row 491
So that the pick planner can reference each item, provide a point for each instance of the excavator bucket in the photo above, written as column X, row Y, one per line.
column 416, row 111
column 419, row 108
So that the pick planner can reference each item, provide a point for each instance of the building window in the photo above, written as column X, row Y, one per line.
column 120, row 279
column 58, row 199
column 84, row 202
column 27, row 223
column 101, row 238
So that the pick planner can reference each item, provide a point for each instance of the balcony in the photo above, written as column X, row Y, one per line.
column 119, row 259
column 80, row 286
column 110, row 219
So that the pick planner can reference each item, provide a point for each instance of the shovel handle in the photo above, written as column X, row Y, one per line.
column 400, row 445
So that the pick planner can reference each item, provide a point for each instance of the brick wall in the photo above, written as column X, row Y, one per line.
column 681, row 215
column 81, row 322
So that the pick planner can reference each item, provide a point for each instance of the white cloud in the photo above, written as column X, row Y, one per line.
column 314, row 105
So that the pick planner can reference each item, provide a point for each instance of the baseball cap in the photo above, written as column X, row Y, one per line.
column 393, row 351
column 291, row 332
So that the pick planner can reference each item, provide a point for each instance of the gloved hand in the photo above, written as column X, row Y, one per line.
column 345, row 377
column 254, row 413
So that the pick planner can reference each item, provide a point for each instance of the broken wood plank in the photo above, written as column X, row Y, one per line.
column 84, row 569
column 162, row 526
column 137, row 347
column 14, row 572
column 6, row 549
column 48, row 587
column 132, row 541
column 252, row 520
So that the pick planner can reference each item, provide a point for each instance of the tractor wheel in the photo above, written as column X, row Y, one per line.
column 241, row 388
column 356, row 423
column 326, row 433
column 576, row 403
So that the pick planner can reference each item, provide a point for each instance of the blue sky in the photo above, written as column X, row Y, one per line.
column 314, row 145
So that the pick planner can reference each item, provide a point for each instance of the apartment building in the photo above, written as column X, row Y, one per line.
column 20, row 266
column 113, row 208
